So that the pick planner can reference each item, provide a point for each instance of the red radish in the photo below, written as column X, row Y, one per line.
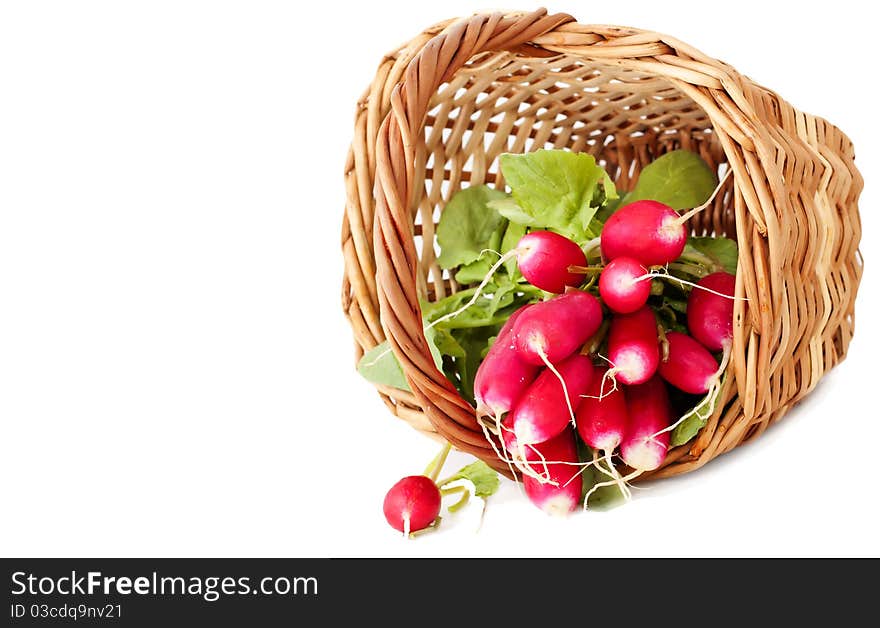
column 544, row 257
column 601, row 423
column 550, row 331
column 689, row 367
column 709, row 315
column 624, row 285
column 558, row 458
column 503, row 375
column 601, row 419
column 544, row 411
column 633, row 346
column 644, row 445
column 648, row 231
column 412, row 504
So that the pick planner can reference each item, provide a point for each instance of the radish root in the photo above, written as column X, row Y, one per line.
column 665, row 275
column 599, row 485
column 609, row 374
column 520, row 463
column 696, row 210
column 562, row 381
column 615, row 475
column 710, row 398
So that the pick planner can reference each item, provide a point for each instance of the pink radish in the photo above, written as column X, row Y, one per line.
column 689, row 367
column 560, row 493
column 648, row 231
column 544, row 257
column 547, row 407
column 645, row 444
column 692, row 368
column 709, row 315
column 601, row 423
column 503, row 375
column 601, row 419
column 633, row 346
column 624, row 285
column 550, row 331
column 412, row 504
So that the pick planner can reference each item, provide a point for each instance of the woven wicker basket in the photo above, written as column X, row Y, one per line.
column 443, row 107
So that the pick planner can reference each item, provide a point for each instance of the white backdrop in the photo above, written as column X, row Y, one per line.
column 176, row 374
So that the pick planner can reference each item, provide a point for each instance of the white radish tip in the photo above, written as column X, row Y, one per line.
column 630, row 364
column 645, row 457
column 525, row 433
column 559, row 506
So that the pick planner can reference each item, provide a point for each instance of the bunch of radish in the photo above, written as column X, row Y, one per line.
column 599, row 368
column 596, row 340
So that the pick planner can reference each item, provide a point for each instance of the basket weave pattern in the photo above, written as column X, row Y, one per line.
column 443, row 107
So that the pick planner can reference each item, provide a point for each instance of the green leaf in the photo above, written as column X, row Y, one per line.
column 482, row 476
column 607, row 193
column 379, row 365
column 486, row 310
column 474, row 272
column 605, row 497
column 447, row 344
column 512, row 235
column 474, row 343
column 477, row 270
column 678, row 305
column 431, row 337
column 557, row 190
column 610, row 207
column 689, row 428
column 669, row 319
column 680, row 179
column 509, row 208
column 467, row 225
column 719, row 253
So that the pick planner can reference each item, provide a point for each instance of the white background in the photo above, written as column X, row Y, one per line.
column 176, row 374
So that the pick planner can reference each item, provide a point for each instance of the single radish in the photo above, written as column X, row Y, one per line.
column 633, row 346
column 601, row 421
column 710, row 315
column 550, row 331
column 601, row 418
column 544, row 257
column 690, row 366
column 648, row 231
column 547, row 406
column 412, row 504
column 645, row 444
column 503, row 375
column 559, row 491
column 624, row 285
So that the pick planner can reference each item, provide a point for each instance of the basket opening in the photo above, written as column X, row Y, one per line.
column 508, row 103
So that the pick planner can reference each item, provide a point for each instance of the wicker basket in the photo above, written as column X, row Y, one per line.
column 443, row 107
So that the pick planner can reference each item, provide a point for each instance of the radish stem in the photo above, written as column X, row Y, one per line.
column 437, row 463
column 666, row 275
column 466, row 494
